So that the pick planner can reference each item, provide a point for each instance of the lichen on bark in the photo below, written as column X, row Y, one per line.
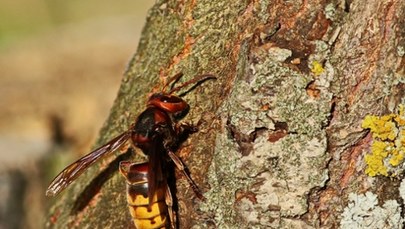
column 267, row 180
column 278, row 145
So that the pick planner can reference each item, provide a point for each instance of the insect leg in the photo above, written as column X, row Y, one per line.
column 170, row 211
column 180, row 165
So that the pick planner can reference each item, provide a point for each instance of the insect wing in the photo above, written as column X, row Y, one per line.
column 155, row 168
column 70, row 173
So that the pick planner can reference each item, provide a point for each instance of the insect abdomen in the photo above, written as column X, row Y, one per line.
column 147, row 213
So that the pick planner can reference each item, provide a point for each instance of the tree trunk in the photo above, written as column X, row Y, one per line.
column 281, row 143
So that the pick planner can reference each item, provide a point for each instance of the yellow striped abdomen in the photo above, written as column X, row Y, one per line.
column 147, row 213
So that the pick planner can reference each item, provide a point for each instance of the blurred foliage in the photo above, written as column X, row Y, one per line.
column 51, row 55
column 19, row 19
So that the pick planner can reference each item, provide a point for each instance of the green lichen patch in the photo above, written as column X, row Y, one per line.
column 388, row 146
column 267, row 181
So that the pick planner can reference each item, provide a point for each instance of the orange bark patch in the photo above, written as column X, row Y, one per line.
column 313, row 91
column 351, row 160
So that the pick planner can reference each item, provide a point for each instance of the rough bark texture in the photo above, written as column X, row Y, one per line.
column 281, row 143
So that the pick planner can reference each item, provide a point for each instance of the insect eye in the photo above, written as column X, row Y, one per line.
column 181, row 113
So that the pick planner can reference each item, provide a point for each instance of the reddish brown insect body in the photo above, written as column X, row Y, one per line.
column 156, row 132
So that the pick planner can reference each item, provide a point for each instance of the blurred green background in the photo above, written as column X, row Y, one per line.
column 27, row 18
column 61, row 63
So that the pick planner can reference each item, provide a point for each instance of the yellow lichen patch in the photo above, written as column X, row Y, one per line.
column 375, row 161
column 381, row 127
column 317, row 68
column 388, row 147
column 401, row 138
column 400, row 118
column 397, row 157
column 375, row 166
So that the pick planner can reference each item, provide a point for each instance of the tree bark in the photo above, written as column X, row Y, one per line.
column 280, row 143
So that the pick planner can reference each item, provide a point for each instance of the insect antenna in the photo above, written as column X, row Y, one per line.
column 172, row 81
column 196, row 81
